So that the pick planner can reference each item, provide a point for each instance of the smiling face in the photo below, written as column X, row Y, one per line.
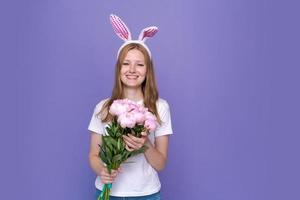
column 133, row 70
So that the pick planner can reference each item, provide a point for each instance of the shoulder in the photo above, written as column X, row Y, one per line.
column 162, row 105
column 100, row 104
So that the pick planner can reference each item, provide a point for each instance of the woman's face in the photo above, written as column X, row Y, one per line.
column 133, row 70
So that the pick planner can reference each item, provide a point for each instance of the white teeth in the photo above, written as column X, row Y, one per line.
column 131, row 77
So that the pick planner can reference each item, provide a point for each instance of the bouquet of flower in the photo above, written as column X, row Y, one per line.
column 128, row 118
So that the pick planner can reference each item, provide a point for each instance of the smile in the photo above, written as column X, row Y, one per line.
column 132, row 77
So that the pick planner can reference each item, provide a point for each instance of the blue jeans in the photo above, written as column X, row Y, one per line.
column 155, row 196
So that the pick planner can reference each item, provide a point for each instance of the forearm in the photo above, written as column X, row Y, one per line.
column 96, row 164
column 156, row 159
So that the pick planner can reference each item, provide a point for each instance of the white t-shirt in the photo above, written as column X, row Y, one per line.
column 138, row 177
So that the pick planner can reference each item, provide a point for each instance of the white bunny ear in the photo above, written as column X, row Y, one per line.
column 120, row 28
column 147, row 33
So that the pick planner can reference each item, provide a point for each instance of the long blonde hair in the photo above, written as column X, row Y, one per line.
column 149, row 86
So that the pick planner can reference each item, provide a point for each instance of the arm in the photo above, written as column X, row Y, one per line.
column 96, row 163
column 156, row 154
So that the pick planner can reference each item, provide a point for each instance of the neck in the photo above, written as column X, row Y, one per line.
column 134, row 94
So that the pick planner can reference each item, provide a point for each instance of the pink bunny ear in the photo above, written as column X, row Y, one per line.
column 120, row 27
column 147, row 33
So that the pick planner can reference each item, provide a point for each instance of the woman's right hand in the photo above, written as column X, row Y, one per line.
column 106, row 177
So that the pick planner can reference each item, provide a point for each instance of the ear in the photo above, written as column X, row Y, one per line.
column 147, row 33
column 120, row 27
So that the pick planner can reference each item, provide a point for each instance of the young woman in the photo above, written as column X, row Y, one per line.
column 134, row 79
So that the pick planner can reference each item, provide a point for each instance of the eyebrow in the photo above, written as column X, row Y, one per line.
column 134, row 60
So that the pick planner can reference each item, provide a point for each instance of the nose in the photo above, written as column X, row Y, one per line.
column 132, row 68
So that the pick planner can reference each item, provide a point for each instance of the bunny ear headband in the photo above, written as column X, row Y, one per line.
column 123, row 32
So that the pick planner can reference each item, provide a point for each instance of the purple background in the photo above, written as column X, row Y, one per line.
column 229, row 70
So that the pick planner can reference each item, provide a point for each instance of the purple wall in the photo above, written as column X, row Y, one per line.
column 229, row 70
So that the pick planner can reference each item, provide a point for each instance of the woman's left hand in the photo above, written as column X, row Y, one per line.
column 134, row 143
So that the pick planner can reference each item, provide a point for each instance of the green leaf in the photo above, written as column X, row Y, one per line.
column 117, row 158
column 119, row 144
column 112, row 141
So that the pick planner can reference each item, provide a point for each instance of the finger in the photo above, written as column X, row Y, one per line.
column 137, row 142
column 135, row 139
column 128, row 148
column 114, row 173
column 131, row 143
column 144, row 133
column 106, row 174
column 107, row 180
column 109, row 177
column 126, row 138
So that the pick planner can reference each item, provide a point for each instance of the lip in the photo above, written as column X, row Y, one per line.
column 132, row 77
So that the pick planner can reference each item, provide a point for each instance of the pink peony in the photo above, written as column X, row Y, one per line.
column 129, row 113
column 132, row 107
column 139, row 116
column 150, row 116
column 150, row 125
column 126, row 120
column 118, row 107
column 142, row 109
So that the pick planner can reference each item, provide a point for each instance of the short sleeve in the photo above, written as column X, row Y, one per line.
column 165, row 127
column 96, row 124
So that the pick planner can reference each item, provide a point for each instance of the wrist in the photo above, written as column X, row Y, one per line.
column 148, row 144
column 102, row 165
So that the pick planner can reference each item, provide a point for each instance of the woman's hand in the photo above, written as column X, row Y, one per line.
column 135, row 143
column 106, row 177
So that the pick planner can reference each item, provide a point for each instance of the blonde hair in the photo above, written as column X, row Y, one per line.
column 149, row 86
